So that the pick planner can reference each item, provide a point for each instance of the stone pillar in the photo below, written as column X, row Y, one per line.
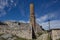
column 32, row 16
column 32, row 20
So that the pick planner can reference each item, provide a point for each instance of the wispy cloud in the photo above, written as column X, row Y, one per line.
column 22, row 21
column 45, row 17
column 3, row 3
column 53, row 24
column 41, row 19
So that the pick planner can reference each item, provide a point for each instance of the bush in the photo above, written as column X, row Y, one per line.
column 1, row 34
column 58, row 39
column 48, row 38
column 39, row 33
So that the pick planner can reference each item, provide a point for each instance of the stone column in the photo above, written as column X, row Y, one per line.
column 32, row 16
column 32, row 20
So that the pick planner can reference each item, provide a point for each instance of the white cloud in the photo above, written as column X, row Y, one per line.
column 53, row 24
column 22, row 21
column 44, row 18
column 10, row 21
column 12, row 1
column 3, row 3
column 41, row 19
column 45, row 25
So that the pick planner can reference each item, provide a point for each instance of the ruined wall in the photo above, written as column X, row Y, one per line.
column 55, row 34
column 20, row 30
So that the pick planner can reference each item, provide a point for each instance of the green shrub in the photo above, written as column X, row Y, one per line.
column 1, row 34
column 49, row 37
column 58, row 39
column 39, row 33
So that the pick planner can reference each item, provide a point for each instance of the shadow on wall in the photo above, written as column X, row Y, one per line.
column 33, row 34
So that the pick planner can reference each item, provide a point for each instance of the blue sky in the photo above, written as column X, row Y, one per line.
column 19, row 10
